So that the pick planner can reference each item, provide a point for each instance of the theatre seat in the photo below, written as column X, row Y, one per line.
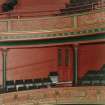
column 29, row 84
column 103, row 68
column 10, row 86
column 20, row 85
column 46, row 82
column 85, row 81
column 38, row 83
column 1, row 89
column 96, row 82
column 91, row 73
column 94, row 77
column 54, row 77
column 102, row 82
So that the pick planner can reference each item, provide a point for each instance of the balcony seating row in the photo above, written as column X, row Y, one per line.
column 94, row 77
column 28, row 84
column 79, row 6
column 19, row 85
column 1, row 89
column 83, row 1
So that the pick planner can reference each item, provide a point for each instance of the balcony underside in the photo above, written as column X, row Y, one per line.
column 54, row 41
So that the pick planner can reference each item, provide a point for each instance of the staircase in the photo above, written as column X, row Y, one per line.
column 94, row 77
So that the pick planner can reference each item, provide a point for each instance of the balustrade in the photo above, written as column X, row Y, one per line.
column 55, row 23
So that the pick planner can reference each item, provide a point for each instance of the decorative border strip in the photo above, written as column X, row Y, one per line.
column 65, row 40
column 51, row 35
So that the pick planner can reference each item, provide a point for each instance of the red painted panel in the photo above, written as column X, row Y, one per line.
column 31, row 63
column 0, row 67
column 40, row 4
column 41, row 24
column 3, row 26
column 91, row 20
column 91, row 57
column 36, row 63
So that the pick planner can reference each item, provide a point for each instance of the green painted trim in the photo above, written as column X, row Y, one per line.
column 4, row 60
column 75, row 23
column 51, row 35
column 54, row 41
column 75, row 71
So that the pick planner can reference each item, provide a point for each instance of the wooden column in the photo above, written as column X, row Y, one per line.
column 4, row 67
column 75, row 71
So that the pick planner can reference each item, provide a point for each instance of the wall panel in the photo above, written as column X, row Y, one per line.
column 91, row 57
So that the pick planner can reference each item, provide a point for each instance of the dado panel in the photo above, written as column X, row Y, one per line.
column 49, row 23
column 89, row 20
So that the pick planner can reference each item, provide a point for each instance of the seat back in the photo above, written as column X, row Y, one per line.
column 53, row 77
column 10, row 82
column 28, row 81
column 19, row 82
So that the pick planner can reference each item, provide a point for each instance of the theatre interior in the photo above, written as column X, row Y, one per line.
column 52, row 52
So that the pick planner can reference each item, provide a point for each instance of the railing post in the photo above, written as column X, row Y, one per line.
column 75, row 21
column 93, row 6
column 8, row 25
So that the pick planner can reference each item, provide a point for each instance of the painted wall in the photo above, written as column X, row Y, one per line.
column 30, row 8
column 30, row 63
column 37, row 63
column 40, row 5
column 91, row 57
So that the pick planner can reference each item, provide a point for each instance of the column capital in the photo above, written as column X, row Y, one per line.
column 76, row 45
column 4, row 51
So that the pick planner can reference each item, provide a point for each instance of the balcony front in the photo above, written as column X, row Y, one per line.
column 22, row 25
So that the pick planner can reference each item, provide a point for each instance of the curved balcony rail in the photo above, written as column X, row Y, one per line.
column 52, row 26
column 94, row 19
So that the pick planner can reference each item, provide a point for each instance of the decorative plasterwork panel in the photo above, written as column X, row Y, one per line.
column 42, row 36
